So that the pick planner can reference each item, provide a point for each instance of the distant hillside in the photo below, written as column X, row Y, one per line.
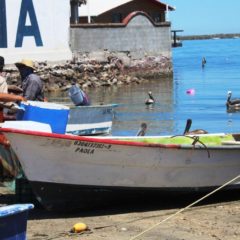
column 211, row 36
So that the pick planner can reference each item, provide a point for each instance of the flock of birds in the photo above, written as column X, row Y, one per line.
column 143, row 129
column 231, row 104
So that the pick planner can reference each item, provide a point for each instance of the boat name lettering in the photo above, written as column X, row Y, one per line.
column 92, row 145
column 84, row 150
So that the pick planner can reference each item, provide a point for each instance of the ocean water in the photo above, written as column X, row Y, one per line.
column 206, row 108
column 221, row 74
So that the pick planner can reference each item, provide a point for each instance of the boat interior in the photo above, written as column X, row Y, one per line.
column 217, row 139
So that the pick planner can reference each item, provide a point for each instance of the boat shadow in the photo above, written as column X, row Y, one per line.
column 126, row 204
column 150, row 202
column 141, row 202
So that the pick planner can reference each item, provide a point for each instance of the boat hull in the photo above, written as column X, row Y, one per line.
column 65, row 197
column 91, row 120
column 55, row 164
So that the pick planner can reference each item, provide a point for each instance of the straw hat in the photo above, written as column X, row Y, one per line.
column 26, row 63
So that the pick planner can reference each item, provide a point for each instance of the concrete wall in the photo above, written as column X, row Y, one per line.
column 140, row 36
column 35, row 29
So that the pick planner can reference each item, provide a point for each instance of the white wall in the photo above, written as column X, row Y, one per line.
column 52, row 21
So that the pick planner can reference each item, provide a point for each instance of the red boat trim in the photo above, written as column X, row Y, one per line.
column 88, row 139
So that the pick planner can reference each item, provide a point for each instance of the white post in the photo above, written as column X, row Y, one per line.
column 167, row 12
column 88, row 7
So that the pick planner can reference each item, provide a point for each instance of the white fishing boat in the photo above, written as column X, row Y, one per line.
column 77, row 120
column 86, row 119
column 68, row 170
column 91, row 120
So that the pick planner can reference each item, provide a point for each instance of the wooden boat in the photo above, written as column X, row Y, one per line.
column 84, row 120
column 77, row 120
column 91, row 120
column 74, row 171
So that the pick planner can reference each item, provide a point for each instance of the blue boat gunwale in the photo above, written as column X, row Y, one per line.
column 113, row 105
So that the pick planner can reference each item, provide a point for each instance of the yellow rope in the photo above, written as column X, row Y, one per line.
column 183, row 209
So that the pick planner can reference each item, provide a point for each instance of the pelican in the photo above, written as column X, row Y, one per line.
column 204, row 61
column 234, row 103
column 142, row 130
column 150, row 100
column 196, row 131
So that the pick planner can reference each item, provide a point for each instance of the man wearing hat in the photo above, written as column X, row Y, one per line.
column 32, row 84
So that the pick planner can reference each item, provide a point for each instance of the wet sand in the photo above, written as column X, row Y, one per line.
column 217, row 217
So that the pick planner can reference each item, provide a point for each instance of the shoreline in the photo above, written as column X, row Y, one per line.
column 96, row 69
column 210, row 36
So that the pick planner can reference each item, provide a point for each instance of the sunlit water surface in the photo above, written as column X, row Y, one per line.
column 207, row 107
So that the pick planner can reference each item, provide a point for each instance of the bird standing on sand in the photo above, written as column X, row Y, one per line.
column 234, row 103
column 196, row 131
column 150, row 100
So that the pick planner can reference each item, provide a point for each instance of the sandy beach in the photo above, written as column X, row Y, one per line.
column 217, row 217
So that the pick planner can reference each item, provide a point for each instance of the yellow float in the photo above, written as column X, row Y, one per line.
column 79, row 227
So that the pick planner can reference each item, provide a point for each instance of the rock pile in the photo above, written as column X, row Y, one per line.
column 96, row 69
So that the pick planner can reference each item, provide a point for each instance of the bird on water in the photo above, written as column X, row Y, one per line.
column 204, row 61
column 142, row 130
column 150, row 99
column 196, row 131
column 232, row 103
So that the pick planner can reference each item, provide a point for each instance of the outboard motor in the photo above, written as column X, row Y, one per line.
column 78, row 97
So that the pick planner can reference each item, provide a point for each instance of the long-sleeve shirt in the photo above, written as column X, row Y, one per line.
column 32, row 87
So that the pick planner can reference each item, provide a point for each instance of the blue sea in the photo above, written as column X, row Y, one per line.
column 206, row 108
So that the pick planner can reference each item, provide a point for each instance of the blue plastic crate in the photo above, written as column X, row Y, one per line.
column 56, row 115
column 13, row 221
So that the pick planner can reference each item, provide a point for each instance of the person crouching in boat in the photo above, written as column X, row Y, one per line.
column 78, row 96
column 32, row 84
